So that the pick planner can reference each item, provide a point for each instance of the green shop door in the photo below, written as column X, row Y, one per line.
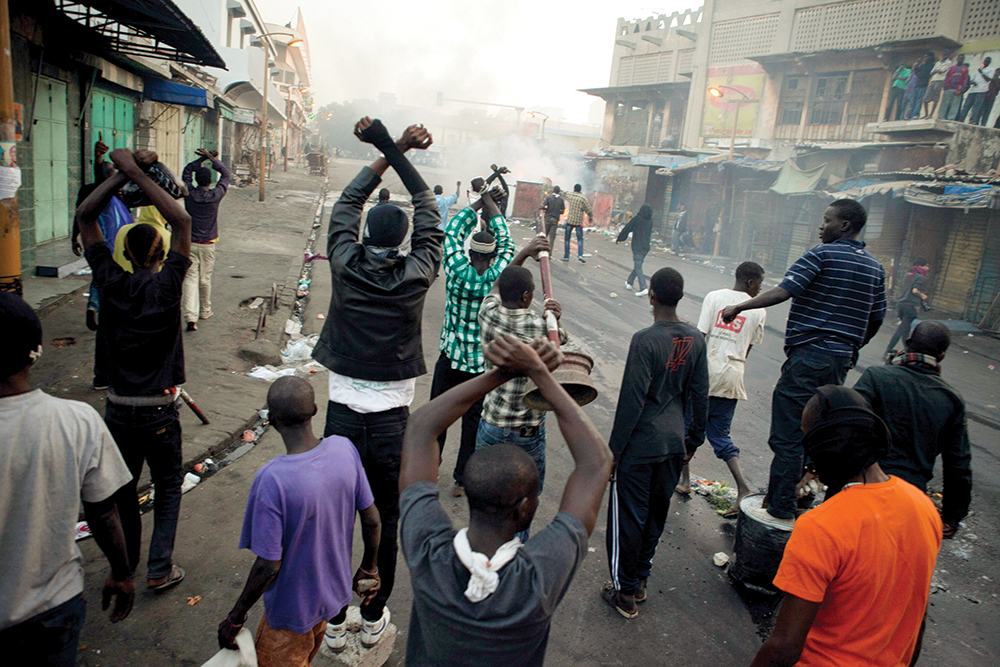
column 112, row 118
column 50, row 162
column 192, row 137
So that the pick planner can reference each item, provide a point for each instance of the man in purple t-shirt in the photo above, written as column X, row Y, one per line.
column 300, row 524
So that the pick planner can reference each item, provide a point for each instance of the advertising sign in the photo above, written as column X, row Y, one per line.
column 718, row 118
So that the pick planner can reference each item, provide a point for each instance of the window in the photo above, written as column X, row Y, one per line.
column 827, row 104
column 793, row 98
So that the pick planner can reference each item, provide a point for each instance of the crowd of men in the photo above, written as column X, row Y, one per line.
column 948, row 86
column 857, row 568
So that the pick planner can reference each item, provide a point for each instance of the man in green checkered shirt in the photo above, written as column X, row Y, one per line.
column 468, row 279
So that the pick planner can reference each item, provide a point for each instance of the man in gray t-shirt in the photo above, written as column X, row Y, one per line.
column 479, row 595
column 54, row 453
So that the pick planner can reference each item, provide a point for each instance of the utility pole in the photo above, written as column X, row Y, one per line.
column 265, row 85
column 284, row 132
column 263, row 121
column 10, row 226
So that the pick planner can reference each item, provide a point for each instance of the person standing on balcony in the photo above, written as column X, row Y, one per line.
column 955, row 84
column 979, row 84
column 932, row 96
column 897, row 93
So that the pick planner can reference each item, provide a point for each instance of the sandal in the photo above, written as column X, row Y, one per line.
column 175, row 577
column 610, row 595
column 732, row 512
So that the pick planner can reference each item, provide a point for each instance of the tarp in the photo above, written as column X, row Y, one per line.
column 792, row 180
column 159, row 90
column 927, row 193
column 954, row 196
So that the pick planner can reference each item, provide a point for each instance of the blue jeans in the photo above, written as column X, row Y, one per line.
column 637, row 261
column 93, row 298
column 913, row 110
column 530, row 438
column 378, row 437
column 49, row 639
column 149, row 434
column 579, row 239
column 804, row 371
column 720, row 418
column 533, row 443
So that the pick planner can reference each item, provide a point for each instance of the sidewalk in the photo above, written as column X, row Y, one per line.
column 972, row 365
column 260, row 245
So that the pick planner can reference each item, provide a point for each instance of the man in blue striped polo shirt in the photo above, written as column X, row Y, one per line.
column 838, row 304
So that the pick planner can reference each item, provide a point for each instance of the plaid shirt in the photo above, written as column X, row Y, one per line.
column 503, row 406
column 578, row 205
column 465, row 289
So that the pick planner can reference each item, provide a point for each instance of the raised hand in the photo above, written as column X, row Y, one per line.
column 371, row 131
column 145, row 158
column 415, row 136
column 553, row 305
column 547, row 352
column 123, row 159
column 201, row 152
column 513, row 355
column 100, row 148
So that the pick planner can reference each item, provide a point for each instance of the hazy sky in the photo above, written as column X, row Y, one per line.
column 531, row 53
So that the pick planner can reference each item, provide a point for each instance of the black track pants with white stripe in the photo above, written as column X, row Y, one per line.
column 637, row 511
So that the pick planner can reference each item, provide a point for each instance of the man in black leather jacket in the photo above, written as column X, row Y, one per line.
column 371, row 339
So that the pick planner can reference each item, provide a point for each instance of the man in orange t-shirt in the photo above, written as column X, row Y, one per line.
column 857, row 569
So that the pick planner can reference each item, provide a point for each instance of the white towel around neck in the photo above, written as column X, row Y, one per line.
column 484, row 570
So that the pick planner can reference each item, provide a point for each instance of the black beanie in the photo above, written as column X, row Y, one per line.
column 20, row 334
column 386, row 226
column 846, row 439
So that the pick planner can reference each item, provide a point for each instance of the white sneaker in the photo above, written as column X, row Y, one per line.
column 628, row 286
column 335, row 637
column 769, row 520
column 371, row 631
column 643, row 292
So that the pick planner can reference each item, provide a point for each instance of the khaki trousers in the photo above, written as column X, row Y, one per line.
column 196, row 299
column 284, row 648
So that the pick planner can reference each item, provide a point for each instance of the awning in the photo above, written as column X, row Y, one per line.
column 170, row 92
column 149, row 28
column 792, row 180
column 667, row 161
column 933, row 194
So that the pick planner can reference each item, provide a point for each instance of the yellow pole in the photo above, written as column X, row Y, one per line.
column 10, row 226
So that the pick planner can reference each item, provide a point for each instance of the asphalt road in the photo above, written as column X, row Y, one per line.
column 693, row 613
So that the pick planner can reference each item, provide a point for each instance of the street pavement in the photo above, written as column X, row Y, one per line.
column 693, row 613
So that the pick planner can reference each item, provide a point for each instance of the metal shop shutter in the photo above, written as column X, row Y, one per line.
column 50, row 161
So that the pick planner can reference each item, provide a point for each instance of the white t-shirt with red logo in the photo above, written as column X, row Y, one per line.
column 727, row 344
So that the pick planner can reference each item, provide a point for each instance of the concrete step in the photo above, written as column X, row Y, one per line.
column 55, row 259
column 356, row 655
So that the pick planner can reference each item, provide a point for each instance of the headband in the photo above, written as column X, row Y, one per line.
column 482, row 248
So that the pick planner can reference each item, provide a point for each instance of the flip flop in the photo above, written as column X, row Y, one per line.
column 732, row 512
column 175, row 577
column 610, row 595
